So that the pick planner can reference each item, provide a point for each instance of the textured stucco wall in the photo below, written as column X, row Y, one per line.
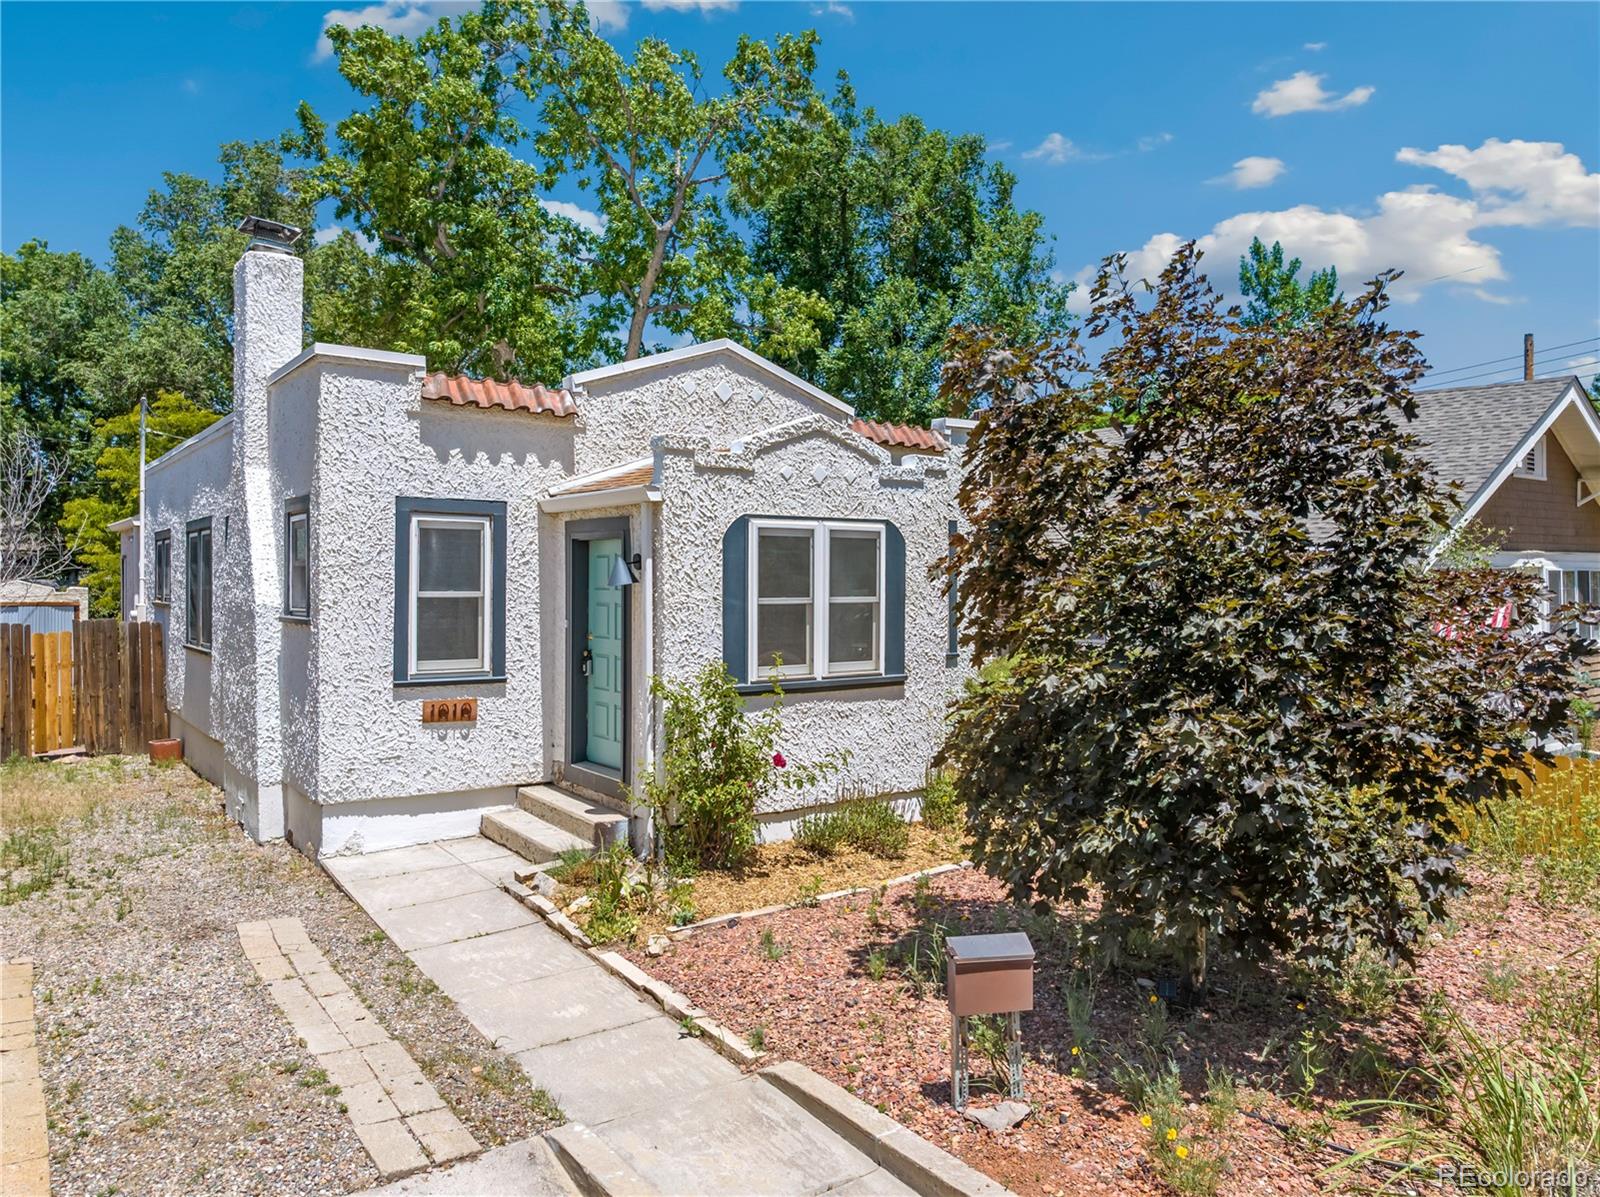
column 813, row 470
column 722, row 399
column 387, row 442
column 292, row 415
column 192, row 482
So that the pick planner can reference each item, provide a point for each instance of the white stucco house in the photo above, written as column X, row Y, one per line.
column 362, row 545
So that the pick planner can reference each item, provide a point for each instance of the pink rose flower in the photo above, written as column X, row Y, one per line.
column 777, row 759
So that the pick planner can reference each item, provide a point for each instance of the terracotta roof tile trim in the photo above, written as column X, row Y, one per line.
column 900, row 436
column 462, row 391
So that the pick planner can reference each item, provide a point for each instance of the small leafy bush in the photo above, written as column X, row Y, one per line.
column 720, row 762
column 942, row 809
column 870, row 825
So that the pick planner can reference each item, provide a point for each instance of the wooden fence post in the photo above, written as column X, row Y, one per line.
column 16, row 691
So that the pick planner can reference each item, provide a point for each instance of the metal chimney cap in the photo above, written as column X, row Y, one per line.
column 269, row 234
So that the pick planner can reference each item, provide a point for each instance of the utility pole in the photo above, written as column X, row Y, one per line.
column 139, row 611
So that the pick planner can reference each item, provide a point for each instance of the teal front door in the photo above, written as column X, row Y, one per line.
column 603, row 685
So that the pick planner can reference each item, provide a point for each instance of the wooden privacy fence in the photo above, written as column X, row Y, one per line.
column 101, row 687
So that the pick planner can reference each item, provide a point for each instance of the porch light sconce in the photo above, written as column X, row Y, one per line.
column 625, row 572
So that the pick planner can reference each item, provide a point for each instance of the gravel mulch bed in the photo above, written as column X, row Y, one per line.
column 167, row 1066
column 818, row 1002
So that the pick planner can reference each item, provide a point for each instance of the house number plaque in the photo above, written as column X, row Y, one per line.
column 450, row 710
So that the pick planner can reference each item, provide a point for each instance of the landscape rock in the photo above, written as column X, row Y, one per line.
column 999, row 1117
column 657, row 945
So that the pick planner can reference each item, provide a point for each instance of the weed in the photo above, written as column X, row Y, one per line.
column 1308, row 1060
column 573, row 866
column 1500, row 981
column 1222, row 1097
column 124, row 906
column 1146, row 1086
column 1367, row 984
column 810, row 892
column 32, row 859
column 1154, row 1027
column 757, row 1038
column 924, row 958
column 374, row 937
column 922, row 894
column 877, row 963
column 690, row 1027
column 987, row 1035
column 875, row 907
column 769, row 947
column 1551, row 826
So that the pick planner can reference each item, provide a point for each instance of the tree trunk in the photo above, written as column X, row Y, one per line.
column 1197, row 962
column 647, row 287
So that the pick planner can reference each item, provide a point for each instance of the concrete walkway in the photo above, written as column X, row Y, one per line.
column 659, row 1111
column 24, row 1148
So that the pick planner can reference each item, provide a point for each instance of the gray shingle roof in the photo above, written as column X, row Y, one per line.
column 1468, row 432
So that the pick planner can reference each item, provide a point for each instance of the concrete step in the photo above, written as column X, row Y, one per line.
column 529, row 836
column 600, row 825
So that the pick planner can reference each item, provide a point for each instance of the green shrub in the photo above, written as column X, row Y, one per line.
column 942, row 809
column 871, row 825
column 719, row 763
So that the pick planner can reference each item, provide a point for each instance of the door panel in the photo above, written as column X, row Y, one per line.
column 603, row 688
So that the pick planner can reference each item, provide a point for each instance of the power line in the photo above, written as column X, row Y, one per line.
column 1515, row 357
column 1510, row 373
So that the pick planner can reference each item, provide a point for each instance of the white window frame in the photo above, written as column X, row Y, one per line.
column 301, row 516
column 821, row 601
column 484, row 594
column 1536, row 469
column 1556, row 578
column 194, row 610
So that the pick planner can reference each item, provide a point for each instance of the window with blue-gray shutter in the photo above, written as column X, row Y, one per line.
column 818, row 603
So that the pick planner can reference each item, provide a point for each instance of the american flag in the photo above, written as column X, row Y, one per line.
column 1499, row 620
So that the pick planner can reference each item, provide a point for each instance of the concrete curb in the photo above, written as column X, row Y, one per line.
column 902, row 1152
column 592, row 1166
column 546, row 909
column 723, row 919
column 676, row 1005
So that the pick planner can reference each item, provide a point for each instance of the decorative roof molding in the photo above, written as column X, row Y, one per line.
column 461, row 391
column 742, row 454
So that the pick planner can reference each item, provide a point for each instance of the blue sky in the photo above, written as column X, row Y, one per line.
column 1459, row 142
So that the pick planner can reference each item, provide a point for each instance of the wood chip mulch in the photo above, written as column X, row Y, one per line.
column 818, row 1003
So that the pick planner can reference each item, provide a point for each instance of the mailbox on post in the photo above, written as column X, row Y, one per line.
column 987, row 974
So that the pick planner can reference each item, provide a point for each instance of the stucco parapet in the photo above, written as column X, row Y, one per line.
column 742, row 455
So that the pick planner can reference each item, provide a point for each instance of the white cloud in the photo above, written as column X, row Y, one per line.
column 702, row 6
column 608, row 15
column 1522, row 183
column 590, row 222
column 403, row 18
column 833, row 8
column 1314, row 47
column 1055, row 149
column 1254, row 171
column 1153, row 141
column 1430, row 235
column 191, row 86
column 1303, row 92
column 331, row 232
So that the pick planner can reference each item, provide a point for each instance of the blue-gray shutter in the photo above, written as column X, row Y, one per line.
column 894, row 601
column 736, row 598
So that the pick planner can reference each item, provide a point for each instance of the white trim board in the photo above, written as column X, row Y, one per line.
column 1573, row 395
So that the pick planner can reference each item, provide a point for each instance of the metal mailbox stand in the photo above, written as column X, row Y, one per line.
column 987, row 974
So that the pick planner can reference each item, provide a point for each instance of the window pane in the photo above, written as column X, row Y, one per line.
column 447, row 630
column 203, row 586
column 450, row 557
column 784, row 565
column 783, row 629
column 852, row 633
column 853, row 565
column 299, row 576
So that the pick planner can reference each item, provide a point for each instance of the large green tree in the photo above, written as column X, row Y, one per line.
column 1218, row 689
column 1275, row 294
column 458, row 258
column 902, row 230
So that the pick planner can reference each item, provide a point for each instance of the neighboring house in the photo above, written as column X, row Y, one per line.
column 42, row 607
column 360, row 545
column 1527, row 458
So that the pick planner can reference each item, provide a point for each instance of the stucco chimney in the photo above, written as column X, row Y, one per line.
column 268, row 305
column 1527, row 357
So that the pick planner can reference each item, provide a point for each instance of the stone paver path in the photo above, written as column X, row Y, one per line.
column 24, row 1149
column 397, row 1113
column 678, row 1117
